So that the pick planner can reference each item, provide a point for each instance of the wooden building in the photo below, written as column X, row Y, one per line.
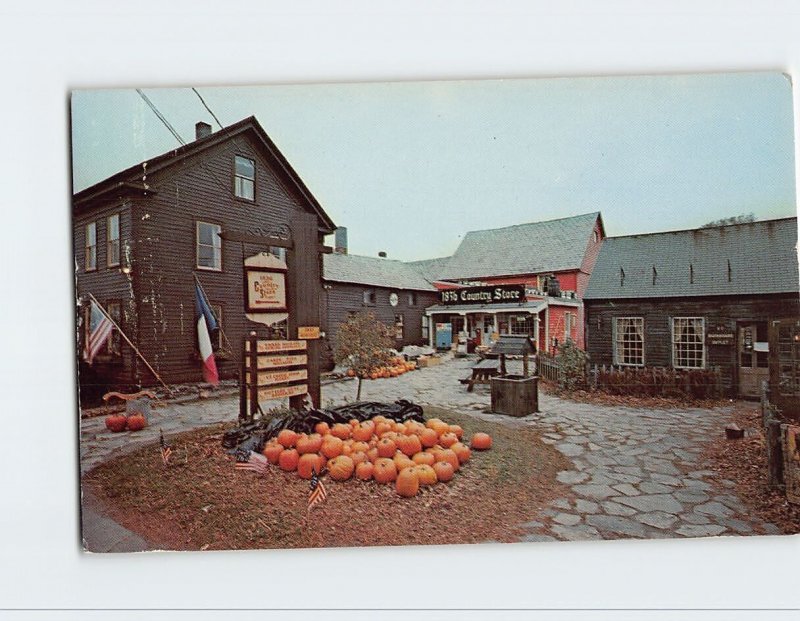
column 695, row 299
column 393, row 290
column 143, row 236
column 550, row 262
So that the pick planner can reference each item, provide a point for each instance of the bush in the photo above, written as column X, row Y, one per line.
column 572, row 366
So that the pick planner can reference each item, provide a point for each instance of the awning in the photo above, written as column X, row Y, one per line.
column 532, row 307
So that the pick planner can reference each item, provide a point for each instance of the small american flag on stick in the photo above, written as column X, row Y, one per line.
column 249, row 460
column 166, row 449
column 318, row 493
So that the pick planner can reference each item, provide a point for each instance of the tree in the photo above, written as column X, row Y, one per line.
column 362, row 344
column 740, row 219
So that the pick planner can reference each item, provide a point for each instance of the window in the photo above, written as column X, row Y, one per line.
column 114, row 343
column 278, row 252
column 369, row 296
column 244, row 180
column 595, row 236
column 398, row 327
column 570, row 321
column 688, row 342
column 90, row 260
column 629, row 341
column 112, row 240
column 425, row 320
column 521, row 324
column 216, row 335
column 209, row 246
column 412, row 299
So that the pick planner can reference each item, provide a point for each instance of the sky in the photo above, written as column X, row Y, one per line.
column 410, row 167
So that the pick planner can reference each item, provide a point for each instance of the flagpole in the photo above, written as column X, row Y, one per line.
column 219, row 326
column 125, row 336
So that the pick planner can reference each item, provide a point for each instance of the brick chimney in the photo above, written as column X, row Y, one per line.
column 201, row 130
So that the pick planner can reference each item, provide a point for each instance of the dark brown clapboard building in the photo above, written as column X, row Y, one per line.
column 393, row 290
column 143, row 236
column 698, row 298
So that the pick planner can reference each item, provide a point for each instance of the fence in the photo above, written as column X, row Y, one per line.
column 549, row 367
column 656, row 381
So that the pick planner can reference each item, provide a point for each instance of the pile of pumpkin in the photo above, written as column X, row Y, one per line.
column 409, row 455
column 121, row 422
column 397, row 366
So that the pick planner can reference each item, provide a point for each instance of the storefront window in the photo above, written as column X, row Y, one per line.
column 688, row 342
column 521, row 324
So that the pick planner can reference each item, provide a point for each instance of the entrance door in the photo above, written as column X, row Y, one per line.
column 753, row 351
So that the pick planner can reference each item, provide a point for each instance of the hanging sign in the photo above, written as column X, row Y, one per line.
column 269, row 347
column 308, row 332
column 266, row 289
column 498, row 294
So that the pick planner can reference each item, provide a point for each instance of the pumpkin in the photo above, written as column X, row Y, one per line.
column 341, row 431
column 407, row 484
column 116, row 422
column 360, row 446
column 386, row 447
column 428, row 438
column 448, row 455
column 136, row 422
column 288, row 459
column 448, row 439
column 438, row 425
column 382, row 427
column 414, row 427
column 364, row 471
column 462, row 452
column 287, row 438
column 424, row 458
column 331, row 447
column 308, row 464
column 481, row 441
column 426, row 474
column 309, row 444
column 400, row 428
column 352, row 422
column 456, row 429
column 402, row 461
column 384, row 470
column 409, row 445
column 372, row 454
column 358, row 457
column 380, row 418
column 363, row 432
column 322, row 428
column 444, row 471
column 272, row 451
column 341, row 468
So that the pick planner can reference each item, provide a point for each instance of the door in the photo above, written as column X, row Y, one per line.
column 753, row 353
column 784, row 381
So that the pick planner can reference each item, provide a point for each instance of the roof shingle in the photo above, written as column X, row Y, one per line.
column 373, row 271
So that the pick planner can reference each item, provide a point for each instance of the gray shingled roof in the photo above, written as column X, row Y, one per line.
column 430, row 268
column 762, row 258
column 532, row 248
column 373, row 271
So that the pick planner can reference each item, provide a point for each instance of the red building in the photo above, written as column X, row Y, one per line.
column 522, row 279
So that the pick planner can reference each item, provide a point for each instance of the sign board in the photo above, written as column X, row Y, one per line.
column 276, row 362
column 271, row 347
column 308, row 332
column 498, row 294
column 270, row 378
column 266, row 289
column 282, row 392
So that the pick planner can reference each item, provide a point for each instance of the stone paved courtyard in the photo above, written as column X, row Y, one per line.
column 636, row 473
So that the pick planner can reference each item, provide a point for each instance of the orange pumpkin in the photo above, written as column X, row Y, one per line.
column 288, row 459
column 448, row 455
column 322, row 428
column 438, row 425
column 372, row 454
column 308, row 464
column 407, row 484
column 272, row 450
column 331, row 447
column 400, row 428
column 448, row 439
column 386, row 447
column 428, row 438
column 426, row 474
column 364, row 471
column 360, row 446
column 444, row 471
column 116, row 422
column 136, row 422
column 462, row 452
column 382, row 427
column 341, row 431
column 481, row 441
column 456, row 429
column 358, row 457
column 363, row 432
column 380, row 418
column 309, row 444
column 402, row 461
column 409, row 445
column 341, row 468
column 414, row 427
column 352, row 422
column 287, row 438
column 424, row 458
column 384, row 470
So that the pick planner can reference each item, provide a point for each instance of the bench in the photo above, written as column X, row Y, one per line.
column 483, row 372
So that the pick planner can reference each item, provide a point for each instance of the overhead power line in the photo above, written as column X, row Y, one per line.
column 161, row 117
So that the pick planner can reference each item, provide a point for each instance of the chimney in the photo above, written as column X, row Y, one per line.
column 340, row 240
column 382, row 254
column 201, row 130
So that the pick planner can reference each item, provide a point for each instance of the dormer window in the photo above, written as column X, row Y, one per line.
column 244, row 183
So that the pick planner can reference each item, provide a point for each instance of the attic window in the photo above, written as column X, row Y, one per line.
column 244, row 181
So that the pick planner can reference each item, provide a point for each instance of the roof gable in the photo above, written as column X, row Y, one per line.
column 533, row 248
column 375, row 272
column 740, row 259
column 129, row 180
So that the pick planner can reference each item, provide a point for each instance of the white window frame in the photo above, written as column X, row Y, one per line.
column 113, row 243
column 216, row 246
column 677, row 321
column 90, row 249
column 617, row 341
column 370, row 297
column 240, row 182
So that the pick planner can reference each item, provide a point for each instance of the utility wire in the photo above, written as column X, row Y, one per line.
column 160, row 116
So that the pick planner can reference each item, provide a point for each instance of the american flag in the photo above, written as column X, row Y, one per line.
column 100, row 327
column 166, row 449
column 318, row 493
column 248, row 460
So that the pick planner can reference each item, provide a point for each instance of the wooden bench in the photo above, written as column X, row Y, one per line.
column 483, row 372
